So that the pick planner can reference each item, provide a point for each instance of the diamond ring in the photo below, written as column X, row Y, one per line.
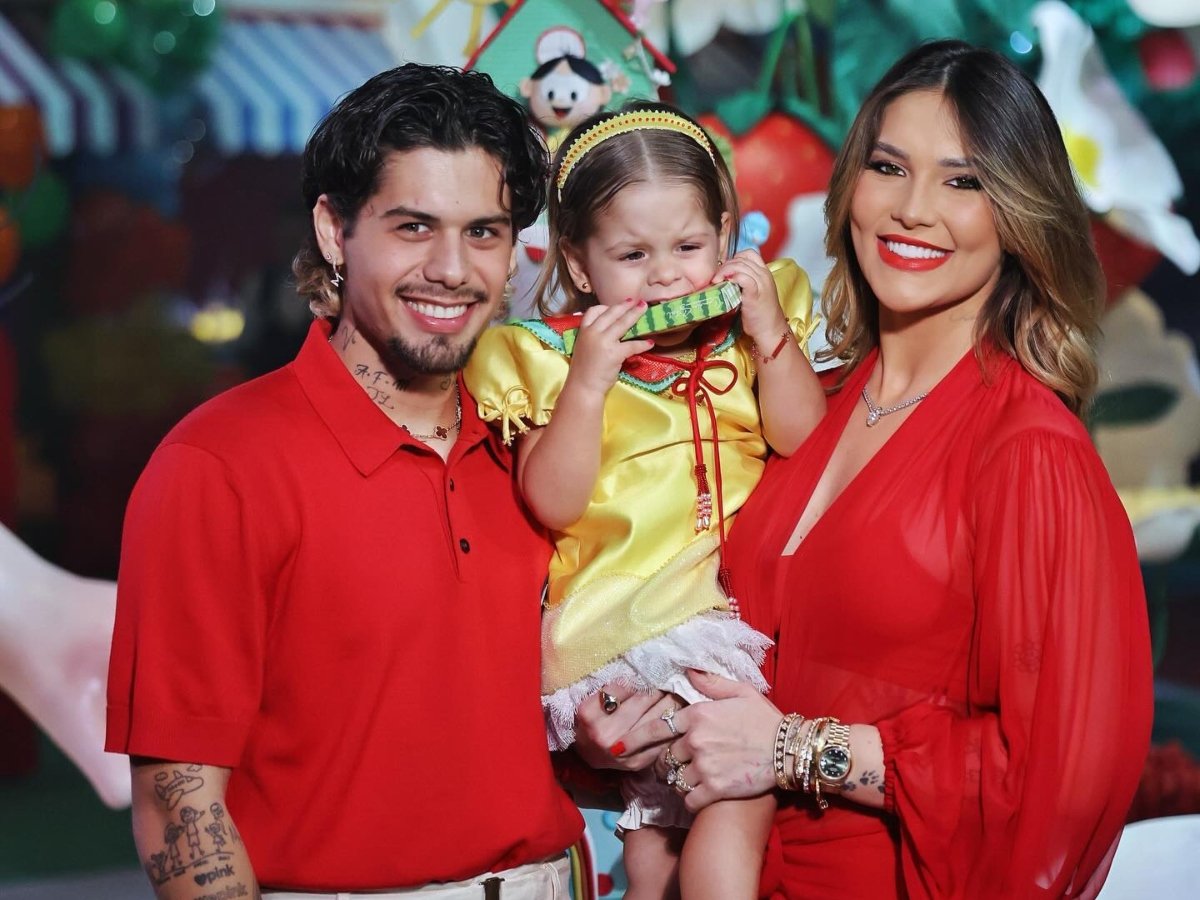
column 675, row 779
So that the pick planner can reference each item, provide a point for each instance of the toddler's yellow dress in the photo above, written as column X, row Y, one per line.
column 633, row 592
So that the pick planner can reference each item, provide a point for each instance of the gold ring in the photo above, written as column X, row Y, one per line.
column 675, row 779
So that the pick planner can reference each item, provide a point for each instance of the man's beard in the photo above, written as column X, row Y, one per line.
column 438, row 356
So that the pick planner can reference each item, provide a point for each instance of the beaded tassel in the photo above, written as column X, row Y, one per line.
column 703, row 499
column 726, row 583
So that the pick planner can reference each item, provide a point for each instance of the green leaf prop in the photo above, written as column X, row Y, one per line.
column 869, row 36
column 1135, row 404
column 743, row 110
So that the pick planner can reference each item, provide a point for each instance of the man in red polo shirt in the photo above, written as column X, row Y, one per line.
column 325, row 662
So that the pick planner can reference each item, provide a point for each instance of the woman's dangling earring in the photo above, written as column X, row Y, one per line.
column 337, row 278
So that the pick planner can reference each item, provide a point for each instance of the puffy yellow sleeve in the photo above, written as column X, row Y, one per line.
column 795, row 296
column 515, row 379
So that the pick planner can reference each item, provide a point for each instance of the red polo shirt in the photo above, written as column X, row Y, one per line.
column 313, row 598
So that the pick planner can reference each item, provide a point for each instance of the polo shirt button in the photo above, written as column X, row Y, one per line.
column 465, row 545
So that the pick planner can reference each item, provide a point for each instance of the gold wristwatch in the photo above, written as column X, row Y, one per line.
column 834, row 759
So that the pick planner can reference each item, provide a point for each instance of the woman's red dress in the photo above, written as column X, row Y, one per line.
column 974, row 593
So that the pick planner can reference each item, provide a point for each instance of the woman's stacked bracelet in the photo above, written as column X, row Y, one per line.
column 807, row 758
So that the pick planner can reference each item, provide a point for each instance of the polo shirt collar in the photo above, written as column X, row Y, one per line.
column 364, row 432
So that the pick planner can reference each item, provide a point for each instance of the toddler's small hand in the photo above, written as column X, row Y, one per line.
column 599, row 350
column 762, row 318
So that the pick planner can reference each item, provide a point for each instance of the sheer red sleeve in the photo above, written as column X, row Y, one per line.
column 1025, row 794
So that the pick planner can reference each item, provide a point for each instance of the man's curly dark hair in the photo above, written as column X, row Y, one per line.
column 406, row 108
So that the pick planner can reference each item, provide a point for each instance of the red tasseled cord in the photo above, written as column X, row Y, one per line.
column 696, row 387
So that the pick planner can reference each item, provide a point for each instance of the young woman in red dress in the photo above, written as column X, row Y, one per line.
column 945, row 567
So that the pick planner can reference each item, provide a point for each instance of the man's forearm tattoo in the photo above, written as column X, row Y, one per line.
column 171, row 787
column 197, row 846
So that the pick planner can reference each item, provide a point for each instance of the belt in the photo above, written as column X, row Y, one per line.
column 536, row 881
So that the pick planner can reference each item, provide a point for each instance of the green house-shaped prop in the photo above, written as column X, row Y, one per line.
column 532, row 30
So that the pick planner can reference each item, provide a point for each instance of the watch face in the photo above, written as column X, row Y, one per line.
column 834, row 763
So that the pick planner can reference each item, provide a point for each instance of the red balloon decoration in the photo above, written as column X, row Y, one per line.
column 1126, row 262
column 777, row 160
column 21, row 146
column 121, row 250
column 10, row 246
column 1168, row 61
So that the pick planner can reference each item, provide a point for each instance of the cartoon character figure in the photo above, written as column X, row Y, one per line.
column 565, row 88
column 190, row 817
column 158, row 866
column 217, row 833
column 171, row 834
column 218, row 814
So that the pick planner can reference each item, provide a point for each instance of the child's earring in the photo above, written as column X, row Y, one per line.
column 585, row 286
column 509, row 288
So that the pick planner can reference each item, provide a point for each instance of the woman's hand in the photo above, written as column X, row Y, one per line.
column 763, row 320
column 599, row 351
column 600, row 736
column 727, row 743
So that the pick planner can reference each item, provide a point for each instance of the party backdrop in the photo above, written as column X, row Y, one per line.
column 149, row 209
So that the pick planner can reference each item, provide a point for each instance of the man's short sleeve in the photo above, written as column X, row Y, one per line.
column 185, row 675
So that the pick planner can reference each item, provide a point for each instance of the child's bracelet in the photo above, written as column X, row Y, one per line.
column 762, row 360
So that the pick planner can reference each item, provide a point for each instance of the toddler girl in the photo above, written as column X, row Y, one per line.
column 636, row 454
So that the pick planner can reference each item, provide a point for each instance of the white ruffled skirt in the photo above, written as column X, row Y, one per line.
column 715, row 642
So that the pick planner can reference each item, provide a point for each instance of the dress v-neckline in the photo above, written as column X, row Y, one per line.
column 838, row 421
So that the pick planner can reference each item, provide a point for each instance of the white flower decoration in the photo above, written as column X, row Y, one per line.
column 806, row 245
column 694, row 23
column 440, row 42
column 1126, row 173
column 1168, row 13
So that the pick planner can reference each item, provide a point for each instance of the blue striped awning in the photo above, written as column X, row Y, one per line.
column 94, row 109
column 272, row 80
column 269, row 82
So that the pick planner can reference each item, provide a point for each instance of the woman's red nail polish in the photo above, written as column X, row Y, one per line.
column 617, row 749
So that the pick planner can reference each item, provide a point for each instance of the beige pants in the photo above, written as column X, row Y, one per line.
column 537, row 881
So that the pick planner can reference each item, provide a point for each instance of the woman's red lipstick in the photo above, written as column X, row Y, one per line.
column 909, row 264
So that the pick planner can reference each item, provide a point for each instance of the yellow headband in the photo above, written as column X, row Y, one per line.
column 624, row 123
